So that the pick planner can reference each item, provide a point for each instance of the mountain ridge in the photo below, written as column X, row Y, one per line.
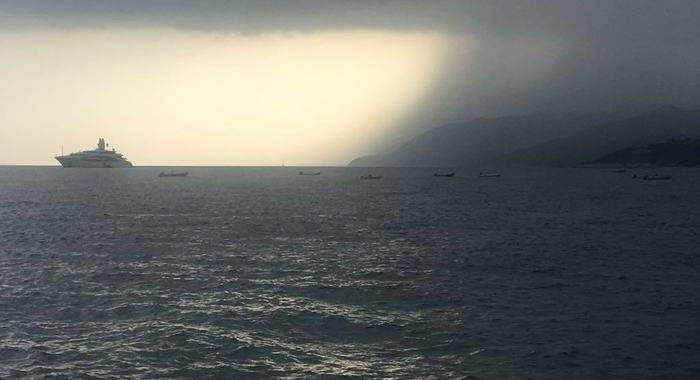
column 538, row 139
column 478, row 140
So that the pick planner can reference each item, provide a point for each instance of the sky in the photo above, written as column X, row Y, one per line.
column 313, row 82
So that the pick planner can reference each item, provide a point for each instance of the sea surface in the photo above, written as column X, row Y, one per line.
column 259, row 273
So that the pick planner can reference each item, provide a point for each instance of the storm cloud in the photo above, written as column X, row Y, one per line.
column 641, row 20
column 509, row 56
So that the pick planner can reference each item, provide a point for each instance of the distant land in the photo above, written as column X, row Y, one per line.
column 541, row 139
column 683, row 152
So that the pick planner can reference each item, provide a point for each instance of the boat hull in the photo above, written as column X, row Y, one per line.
column 179, row 174
column 68, row 162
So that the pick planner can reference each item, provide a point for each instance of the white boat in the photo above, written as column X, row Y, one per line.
column 96, row 158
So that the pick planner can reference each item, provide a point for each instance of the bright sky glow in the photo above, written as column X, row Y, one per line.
column 168, row 97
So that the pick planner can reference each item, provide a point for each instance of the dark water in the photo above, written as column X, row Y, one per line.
column 259, row 273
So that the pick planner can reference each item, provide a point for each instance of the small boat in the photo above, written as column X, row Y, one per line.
column 369, row 176
column 438, row 174
column 309, row 173
column 173, row 174
column 657, row 177
column 488, row 175
column 620, row 170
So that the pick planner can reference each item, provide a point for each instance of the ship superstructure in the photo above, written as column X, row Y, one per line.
column 96, row 158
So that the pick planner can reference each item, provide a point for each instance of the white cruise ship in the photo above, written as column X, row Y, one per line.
column 96, row 158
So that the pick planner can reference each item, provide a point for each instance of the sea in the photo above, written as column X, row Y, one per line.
column 261, row 273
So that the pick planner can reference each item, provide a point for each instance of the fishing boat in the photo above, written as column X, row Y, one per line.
column 309, row 173
column 173, row 174
column 369, row 176
column 438, row 174
column 657, row 177
column 488, row 175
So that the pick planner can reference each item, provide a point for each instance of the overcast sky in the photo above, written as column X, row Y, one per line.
column 456, row 59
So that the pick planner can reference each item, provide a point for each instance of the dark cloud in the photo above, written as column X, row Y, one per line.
column 595, row 54
column 666, row 20
column 244, row 16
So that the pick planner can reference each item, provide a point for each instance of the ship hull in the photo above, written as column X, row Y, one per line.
column 68, row 162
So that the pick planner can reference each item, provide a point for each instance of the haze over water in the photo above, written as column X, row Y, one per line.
column 262, row 273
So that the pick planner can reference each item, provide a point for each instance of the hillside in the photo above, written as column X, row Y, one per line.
column 480, row 140
column 683, row 152
column 593, row 143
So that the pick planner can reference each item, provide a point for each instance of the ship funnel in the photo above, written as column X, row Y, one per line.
column 101, row 144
